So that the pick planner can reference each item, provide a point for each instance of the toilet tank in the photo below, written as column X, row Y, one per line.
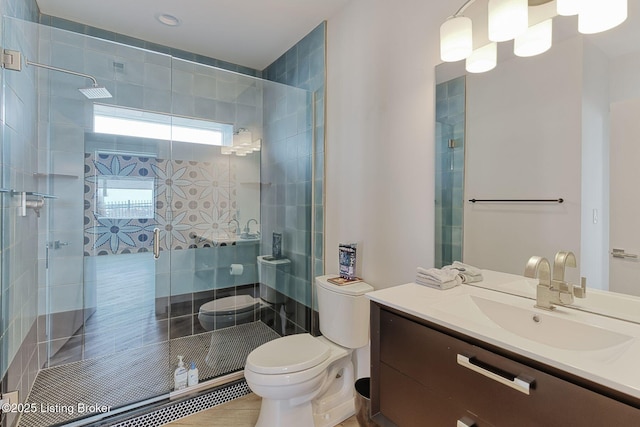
column 343, row 312
column 273, row 276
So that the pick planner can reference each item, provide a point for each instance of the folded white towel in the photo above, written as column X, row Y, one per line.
column 439, row 285
column 437, row 275
column 467, row 278
column 468, row 273
column 469, row 269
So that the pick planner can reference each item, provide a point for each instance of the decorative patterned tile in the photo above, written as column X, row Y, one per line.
column 114, row 235
column 193, row 203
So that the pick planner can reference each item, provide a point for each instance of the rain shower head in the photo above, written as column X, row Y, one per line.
column 95, row 92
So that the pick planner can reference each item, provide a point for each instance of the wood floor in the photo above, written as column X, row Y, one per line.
column 242, row 412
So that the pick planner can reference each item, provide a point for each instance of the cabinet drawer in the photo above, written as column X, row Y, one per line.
column 431, row 358
column 407, row 403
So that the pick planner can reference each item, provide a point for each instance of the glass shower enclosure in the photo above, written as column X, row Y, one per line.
column 450, row 149
column 142, row 210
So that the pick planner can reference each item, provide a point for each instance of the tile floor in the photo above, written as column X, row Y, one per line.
column 149, row 371
column 242, row 412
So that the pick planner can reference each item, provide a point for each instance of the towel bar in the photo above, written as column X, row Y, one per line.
column 560, row 200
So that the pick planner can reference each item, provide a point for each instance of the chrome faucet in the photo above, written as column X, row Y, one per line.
column 247, row 229
column 553, row 289
column 237, row 225
column 567, row 259
column 539, row 266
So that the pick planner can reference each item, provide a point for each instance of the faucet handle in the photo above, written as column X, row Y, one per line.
column 581, row 291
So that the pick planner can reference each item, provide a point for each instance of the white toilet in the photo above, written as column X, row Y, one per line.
column 228, row 311
column 308, row 381
column 273, row 275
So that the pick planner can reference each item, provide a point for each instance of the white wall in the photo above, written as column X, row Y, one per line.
column 624, row 77
column 594, row 260
column 380, row 135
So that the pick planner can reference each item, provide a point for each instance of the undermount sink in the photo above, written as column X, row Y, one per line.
column 548, row 329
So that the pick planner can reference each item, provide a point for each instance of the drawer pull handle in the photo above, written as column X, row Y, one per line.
column 465, row 422
column 519, row 383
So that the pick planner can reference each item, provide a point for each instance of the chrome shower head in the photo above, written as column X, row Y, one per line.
column 95, row 92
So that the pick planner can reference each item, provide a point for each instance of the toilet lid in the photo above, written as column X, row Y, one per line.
column 293, row 353
column 354, row 289
column 232, row 304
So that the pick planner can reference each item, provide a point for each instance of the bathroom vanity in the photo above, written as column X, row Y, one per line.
column 474, row 357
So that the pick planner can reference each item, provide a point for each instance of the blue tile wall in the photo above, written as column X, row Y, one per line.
column 289, row 204
column 450, row 119
column 18, row 249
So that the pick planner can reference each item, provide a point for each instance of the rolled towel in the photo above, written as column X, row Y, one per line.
column 437, row 275
column 467, row 278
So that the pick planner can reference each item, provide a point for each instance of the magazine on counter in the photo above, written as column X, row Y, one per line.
column 276, row 246
column 347, row 254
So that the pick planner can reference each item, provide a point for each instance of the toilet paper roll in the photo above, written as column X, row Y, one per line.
column 236, row 269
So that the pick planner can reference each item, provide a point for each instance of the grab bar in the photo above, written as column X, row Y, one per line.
column 559, row 200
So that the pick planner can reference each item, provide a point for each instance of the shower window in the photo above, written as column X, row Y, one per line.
column 124, row 197
column 145, row 124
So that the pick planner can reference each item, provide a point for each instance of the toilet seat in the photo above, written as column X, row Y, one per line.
column 291, row 359
column 293, row 353
column 230, row 305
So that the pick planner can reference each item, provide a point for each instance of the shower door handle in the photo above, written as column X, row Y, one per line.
column 156, row 243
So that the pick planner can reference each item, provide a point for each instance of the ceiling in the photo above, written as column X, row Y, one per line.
column 251, row 33
column 254, row 33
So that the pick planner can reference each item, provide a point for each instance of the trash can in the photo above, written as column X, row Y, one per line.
column 363, row 402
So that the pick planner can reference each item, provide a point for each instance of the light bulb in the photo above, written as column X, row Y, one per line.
column 568, row 7
column 507, row 19
column 456, row 41
column 482, row 59
column 536, row 40
column 596, row 16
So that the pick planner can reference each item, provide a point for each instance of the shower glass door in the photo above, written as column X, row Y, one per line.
column 156, row 203
column 213, row 203
column 105, row 299
column 150, row 215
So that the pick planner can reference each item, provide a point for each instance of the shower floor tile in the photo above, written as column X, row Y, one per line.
column 132, row 376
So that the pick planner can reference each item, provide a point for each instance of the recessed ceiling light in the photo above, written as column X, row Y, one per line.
column 167, row 19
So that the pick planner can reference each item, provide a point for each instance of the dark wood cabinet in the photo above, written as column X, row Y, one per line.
column 425, row 375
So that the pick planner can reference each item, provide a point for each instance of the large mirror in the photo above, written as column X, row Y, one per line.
column 561, row 125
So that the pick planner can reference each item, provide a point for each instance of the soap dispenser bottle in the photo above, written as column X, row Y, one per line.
column 180, row 375
column 192, row 376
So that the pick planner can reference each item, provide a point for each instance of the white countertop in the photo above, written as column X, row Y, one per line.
column 615, row 367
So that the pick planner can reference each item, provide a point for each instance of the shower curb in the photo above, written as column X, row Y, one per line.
column 167, row 412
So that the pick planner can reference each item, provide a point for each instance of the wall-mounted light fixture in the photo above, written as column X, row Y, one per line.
column 243, row 144
column 509, row 20
column 535, row 40
column 483, row 59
